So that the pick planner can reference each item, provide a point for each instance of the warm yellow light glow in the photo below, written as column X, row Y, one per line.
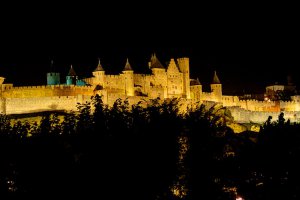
column 179, row 191
column 239, row 198
column 171, row 81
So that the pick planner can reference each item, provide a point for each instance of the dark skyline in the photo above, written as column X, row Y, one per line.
column 249, row 47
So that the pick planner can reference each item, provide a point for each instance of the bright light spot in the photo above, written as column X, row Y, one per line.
column 239, row 198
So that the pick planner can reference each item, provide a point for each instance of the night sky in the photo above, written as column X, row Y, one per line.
column 250, row 46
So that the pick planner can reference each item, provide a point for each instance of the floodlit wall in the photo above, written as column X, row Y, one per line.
column 38, row 104
column 246, row 116
column 196, row 92
column 47, row 91
column 173, row 82
column 230, row 101
column 142, row 82
column 115, row 81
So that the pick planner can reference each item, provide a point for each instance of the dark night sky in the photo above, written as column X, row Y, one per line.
column 249, row 45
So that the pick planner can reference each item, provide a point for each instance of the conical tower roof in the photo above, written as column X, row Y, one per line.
column 99, row 66
column 216, row 79
column 198, row 82
column 155, row 63
column 72, row 72
column 195, row 82
column 127, row 66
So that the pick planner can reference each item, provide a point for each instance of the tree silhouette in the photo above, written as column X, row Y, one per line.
column 148, row 151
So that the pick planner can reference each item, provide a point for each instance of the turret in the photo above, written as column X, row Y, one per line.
column 196, row 89
column 155, row 63
column 72, row 77
column 2, row 100
column 160, row 79
column 216, row 88
column 53, row 78
column 1, row 80
column 99, row 75
column 184, row 67
column 128, row 76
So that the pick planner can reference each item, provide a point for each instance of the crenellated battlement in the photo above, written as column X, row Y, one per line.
column 52, row 87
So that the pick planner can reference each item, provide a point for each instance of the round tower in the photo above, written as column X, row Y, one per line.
column 196, row 89
column 99, row 75
column 216, row 88
column 53, row 78
column 129, row 82
column 72, row 77
column 184, row 67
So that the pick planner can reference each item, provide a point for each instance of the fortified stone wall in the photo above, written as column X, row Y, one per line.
column 163, row 83
column 196, row 92
column 141, row 83
column 38, row 104
column 206, row 96
column 2, row 105
column 47, row 91
column 230, row 100
column 115, row 81
column 290, row 105
column 245, row 116
column 253, row 105
column 89, row 81
column 29, row 91
column 156, row 91
column 159, row 77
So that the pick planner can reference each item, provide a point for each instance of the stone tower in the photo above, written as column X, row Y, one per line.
column 53, row 78
column 99, row 75
column 184, row 67
column 72, row 77
column 175, row 80
column 2, row 100
column 216, row 88
column 196, row 89
column 160, row 79
column 128, row 79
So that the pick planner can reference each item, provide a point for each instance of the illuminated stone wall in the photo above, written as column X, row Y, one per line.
column 196, row 92
column 38, row 104
column 47, row 91
column 157, row 91
column 247, row 116
column 115, row 82
column 230, row 101
column 255, row 105
column 158, row 83
column 2, row 106
column 172, row 82
column 142, row 83
column 206, row 96
column 290, row 105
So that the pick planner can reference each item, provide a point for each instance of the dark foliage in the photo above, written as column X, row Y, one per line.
column 134, row 152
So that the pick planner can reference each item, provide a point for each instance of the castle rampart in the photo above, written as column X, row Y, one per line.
column 165, row 82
